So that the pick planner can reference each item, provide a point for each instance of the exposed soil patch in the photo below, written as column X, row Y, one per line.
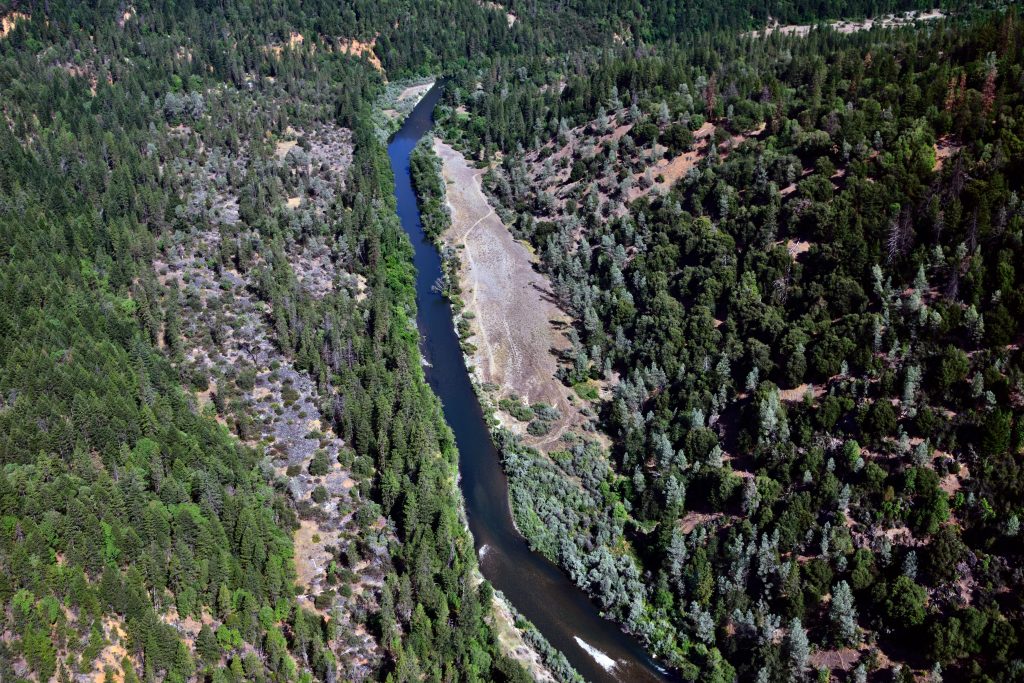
column 351, row 46
column 517, row 325
column 797, row 247
column 945, row 147
column 509, row 17
column 111, row 655
column 844, row 659
column 311, row 555
column 126, row 16
column 9, row 22
column 846, row 26
column 666, row 172
column 282, row 148
column 294, row 42
column 798, row 393
column 692, row 520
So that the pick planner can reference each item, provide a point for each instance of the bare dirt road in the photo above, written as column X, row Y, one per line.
column 517, row 325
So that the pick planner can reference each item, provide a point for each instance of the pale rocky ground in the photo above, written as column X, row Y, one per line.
column 847, row 26
column 518, row 326
column 510, row 18
column 227, row 330
column 400, row 99
column 283, row 406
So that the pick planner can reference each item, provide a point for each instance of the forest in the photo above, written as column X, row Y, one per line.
column 200, row 256
column 796, row 258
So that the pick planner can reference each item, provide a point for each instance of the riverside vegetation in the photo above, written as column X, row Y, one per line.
column 219, row 459
column 814, row 327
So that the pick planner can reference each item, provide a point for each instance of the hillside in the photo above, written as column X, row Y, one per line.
column 218, row 456
column 796, row 259
column 740, row 281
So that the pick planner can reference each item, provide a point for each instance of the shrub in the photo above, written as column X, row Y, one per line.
column 319, row 465
column 538, row 428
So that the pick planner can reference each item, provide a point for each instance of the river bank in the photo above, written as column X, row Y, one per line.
column 398, row 100
column 537, row 588
column 514, row 338
column 518, row 329
column 517, row 638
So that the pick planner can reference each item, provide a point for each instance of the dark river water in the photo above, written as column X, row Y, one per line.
column 538, row 589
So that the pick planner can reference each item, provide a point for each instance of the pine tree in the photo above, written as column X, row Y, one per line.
column 797, row 648
column 843, row 615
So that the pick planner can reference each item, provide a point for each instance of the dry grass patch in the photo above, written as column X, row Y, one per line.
column 945, row 147
column 356, row 48
column 10, row 21
column 798, row 393
column 311, row 557
column 517, row 325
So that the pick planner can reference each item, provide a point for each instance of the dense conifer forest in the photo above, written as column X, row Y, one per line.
column 169, row 321
column 796, row 257
column 793, row 260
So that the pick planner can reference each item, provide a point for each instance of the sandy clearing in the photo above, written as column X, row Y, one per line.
column 945, row 147
column 415, row 92
column 847, row 26
column 356, row 48
column 517, row 324
column 9, row 22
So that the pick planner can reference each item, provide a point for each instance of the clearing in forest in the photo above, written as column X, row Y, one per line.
column 517, row 325
column 9, row 22
column 850, row 26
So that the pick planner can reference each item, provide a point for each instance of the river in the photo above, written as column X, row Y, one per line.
column 563, row 613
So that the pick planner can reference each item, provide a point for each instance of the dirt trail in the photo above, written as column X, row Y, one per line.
column 517, row 322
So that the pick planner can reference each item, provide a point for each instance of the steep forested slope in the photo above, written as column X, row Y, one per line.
column 799, row 260
column 206, row 346
column 218, row 456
